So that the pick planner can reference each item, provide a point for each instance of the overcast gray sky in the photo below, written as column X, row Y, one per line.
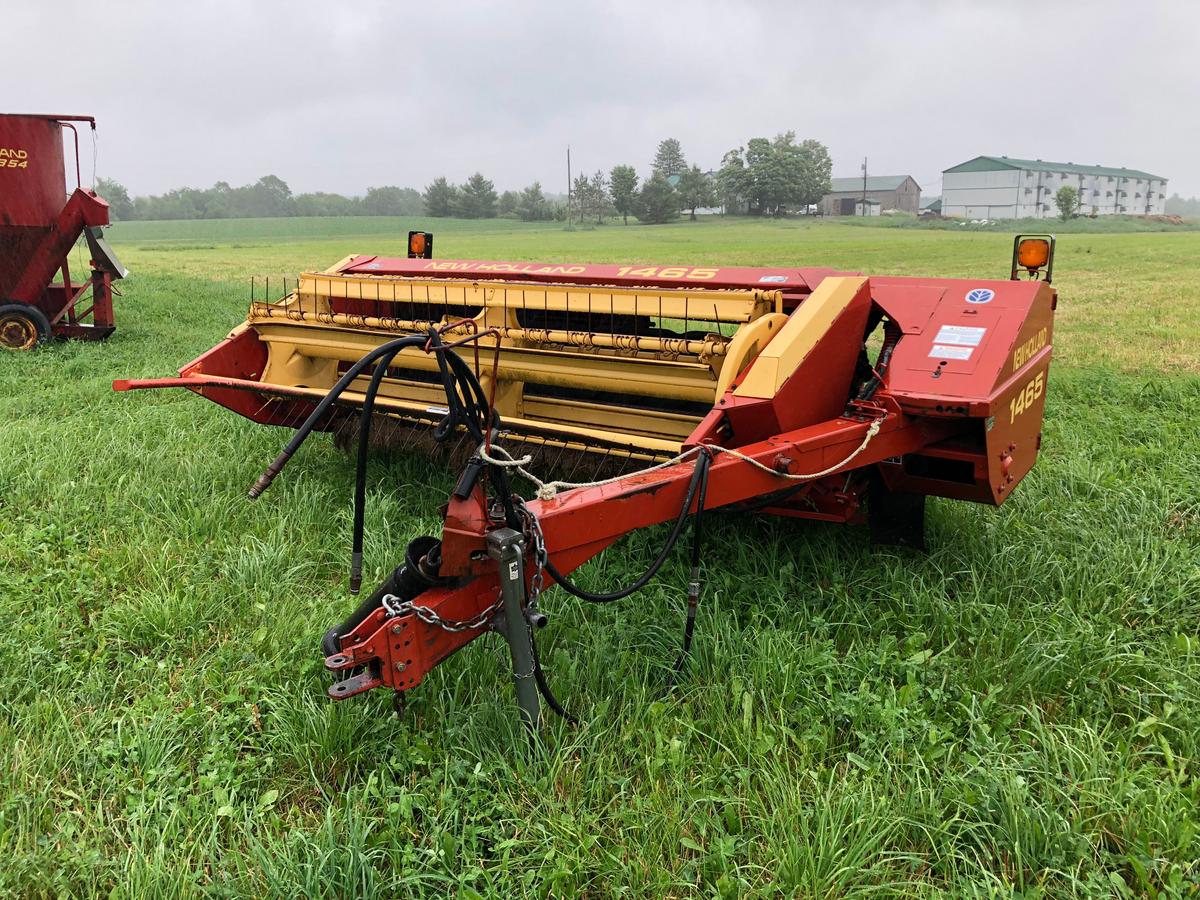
column 341, row 96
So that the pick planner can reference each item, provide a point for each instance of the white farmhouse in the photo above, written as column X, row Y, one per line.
column 997, row 187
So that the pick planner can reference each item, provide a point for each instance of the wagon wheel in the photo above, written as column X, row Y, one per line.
column 22, row 327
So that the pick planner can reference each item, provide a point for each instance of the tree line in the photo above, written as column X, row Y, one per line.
column 766, row 176
column 476, row 198
column 1178, row 206
column 269, row 197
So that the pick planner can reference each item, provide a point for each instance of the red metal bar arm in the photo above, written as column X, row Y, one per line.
column 581, row 523
column 195, row 382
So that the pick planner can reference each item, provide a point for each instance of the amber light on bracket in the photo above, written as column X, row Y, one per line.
column 1035, row 254
column 420, row 245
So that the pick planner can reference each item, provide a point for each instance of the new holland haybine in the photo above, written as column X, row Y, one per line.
column 792, row 391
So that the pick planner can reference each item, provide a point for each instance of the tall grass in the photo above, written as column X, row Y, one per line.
column 1015, row 712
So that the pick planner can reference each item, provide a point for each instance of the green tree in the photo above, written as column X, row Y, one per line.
column 477, row 198
column 668, row 159
column 581, row 193
column 391, row 201
column 813, row 173
column 774, row 175
column 270, row 196
column 622, row 186
column 1178, row 206
column 220, row 201
column 733, row 180
column 322, row 204
column 532, row 204
column 120, row 206
column 506, row 206
column 440, row 198
column 1067, row 201
column 695, row 189
column 657, row 201
column 601, row 202
column 764, row 186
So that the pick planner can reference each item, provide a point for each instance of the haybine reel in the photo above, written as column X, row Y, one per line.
column 797, row 392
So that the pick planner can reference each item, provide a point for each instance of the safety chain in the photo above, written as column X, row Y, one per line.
column 533, row 534
column 397, row 607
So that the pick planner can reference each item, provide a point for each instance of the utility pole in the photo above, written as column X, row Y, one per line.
column 864, row 200
column 568, row 185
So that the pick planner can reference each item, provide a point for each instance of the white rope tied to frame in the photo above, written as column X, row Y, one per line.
column 547, row 490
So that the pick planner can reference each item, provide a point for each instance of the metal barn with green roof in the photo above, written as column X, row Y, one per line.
column 1002, row 187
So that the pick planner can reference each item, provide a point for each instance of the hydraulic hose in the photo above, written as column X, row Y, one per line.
column 891, row 336
column 693, row 595
column 360, row 472
column 543, row 685
column 465, row 403
column 322, row 407
column 698, row 474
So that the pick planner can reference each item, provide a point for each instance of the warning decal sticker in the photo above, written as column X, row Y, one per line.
column 960, row 335
column 949, row 351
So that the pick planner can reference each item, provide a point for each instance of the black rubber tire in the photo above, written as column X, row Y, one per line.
column 22, row 316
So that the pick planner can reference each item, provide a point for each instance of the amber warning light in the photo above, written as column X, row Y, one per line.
column 420, row 245
column 1034, row 254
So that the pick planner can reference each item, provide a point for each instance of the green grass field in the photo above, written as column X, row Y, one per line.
column 1015, row 713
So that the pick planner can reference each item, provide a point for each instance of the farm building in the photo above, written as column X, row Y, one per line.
column 889, row 191
column 997, row 187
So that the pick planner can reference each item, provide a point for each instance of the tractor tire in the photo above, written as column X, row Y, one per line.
column 22, row 327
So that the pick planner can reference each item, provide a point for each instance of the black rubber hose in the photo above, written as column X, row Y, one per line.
column 456, row 377
column 465, row 401
column 322, row 407
column 693, row 596
column 702, row 463
column 360, row 472
column 543, row 685
column 891, row 336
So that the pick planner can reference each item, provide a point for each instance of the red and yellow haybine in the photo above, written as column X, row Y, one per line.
column 800, row 391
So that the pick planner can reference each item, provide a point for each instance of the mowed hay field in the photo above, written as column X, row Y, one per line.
column 1015, row 712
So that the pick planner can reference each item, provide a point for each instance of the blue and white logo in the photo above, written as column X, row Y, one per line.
column 773, row 279
column 980, row 295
